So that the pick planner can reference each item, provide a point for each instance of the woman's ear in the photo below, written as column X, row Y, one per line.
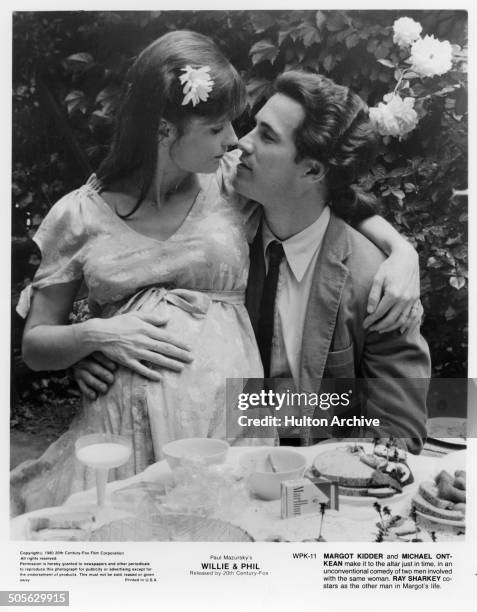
column 315, row 170
column 166, row 132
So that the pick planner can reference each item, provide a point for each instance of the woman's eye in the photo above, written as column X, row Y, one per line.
column 217, row 130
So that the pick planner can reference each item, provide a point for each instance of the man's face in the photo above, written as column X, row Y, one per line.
column 268, row 172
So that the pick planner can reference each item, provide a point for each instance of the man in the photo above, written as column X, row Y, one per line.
column 311, row 142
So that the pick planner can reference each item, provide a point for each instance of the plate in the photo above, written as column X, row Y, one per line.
column 170, row 528
column 450, row 463
column 433, row 522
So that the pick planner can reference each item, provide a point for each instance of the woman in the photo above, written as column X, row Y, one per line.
column 155, row 239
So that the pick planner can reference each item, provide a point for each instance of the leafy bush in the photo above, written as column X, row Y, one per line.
column 68, row 68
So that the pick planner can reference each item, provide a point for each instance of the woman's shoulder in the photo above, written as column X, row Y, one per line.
column 77, row 206
column 248, row 212
column 227, row 171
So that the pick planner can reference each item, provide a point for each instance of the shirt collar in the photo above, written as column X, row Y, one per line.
column 300, row 248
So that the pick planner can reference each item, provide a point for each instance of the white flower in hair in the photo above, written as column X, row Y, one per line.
column 197, row 84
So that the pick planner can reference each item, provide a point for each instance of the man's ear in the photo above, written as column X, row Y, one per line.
column 167, row 132
column 315, row 170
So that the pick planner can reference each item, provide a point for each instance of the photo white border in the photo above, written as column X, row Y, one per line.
column 291, row 585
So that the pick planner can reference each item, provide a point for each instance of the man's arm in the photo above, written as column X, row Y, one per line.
column 395, row 367
column 397, row 370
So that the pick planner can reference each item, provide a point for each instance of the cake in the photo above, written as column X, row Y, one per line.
column 363, row 474
column 345, row 467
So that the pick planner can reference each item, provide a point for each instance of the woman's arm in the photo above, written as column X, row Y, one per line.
column 49, row 343
column 394, row 297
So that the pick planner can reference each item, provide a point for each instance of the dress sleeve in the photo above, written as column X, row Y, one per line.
column 250, row 211
column 61, row 238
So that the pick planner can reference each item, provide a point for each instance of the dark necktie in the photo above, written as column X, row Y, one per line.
column 267, row 304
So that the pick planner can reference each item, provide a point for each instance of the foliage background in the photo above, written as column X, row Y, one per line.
column 67, row 69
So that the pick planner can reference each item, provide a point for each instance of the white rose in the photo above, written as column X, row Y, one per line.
column 406, row 31
column 394, row 116
column 431, row 57
column 403, row 111
column 384, row 121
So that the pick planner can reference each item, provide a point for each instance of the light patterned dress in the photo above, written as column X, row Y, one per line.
column 197, row 278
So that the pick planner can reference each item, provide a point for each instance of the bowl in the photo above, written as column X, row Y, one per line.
column 267, row 468
column 209, row 450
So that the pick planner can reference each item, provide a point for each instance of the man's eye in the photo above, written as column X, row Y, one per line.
column 217, row 130
column 266, row 136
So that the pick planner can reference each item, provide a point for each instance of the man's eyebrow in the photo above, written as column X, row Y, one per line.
column 267, row 126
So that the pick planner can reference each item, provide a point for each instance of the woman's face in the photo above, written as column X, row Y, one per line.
column 202, row 144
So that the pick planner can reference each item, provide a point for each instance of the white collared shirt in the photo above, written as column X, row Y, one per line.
column 293, row 290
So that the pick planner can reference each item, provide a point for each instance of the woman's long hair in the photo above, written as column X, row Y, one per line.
column 152, row 91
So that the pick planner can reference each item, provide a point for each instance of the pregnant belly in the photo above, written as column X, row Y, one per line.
column 222, row 342
column 192, row 402
column 215, row 325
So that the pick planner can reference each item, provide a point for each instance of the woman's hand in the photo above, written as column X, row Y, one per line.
column 138, row 342
column 394, row 297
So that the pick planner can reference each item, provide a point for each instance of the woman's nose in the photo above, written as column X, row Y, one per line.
column 245, row 144
column 230, row 137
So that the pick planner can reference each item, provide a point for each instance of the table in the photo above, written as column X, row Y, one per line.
column 355, row 521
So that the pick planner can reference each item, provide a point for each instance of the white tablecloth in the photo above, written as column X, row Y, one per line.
column 354, row 521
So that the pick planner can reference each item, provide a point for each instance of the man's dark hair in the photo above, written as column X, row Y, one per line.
column 336, row 130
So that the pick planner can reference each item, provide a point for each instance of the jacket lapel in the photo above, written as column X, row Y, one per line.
column 325, row 295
